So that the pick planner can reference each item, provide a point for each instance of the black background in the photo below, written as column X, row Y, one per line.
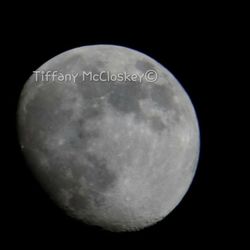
column 193, row 46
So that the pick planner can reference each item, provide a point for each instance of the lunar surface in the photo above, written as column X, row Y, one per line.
column 111, row 136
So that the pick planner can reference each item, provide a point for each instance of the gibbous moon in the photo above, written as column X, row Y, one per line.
column 110, row 134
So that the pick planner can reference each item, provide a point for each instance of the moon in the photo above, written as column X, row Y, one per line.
column 110, row 134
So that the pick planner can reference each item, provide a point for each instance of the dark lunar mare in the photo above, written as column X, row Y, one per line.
column 43, row 118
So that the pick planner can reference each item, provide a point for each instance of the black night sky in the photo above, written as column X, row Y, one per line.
column 192, row 48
